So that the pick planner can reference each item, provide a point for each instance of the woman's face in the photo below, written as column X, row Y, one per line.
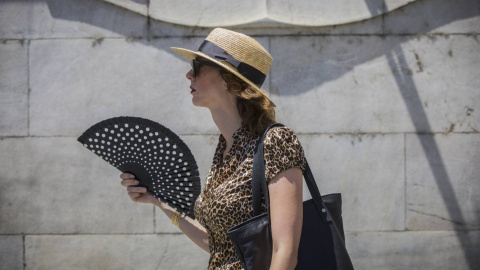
column 208, row 88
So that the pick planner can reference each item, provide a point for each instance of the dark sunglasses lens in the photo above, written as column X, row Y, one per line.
column 195, row 67
column 196, row 64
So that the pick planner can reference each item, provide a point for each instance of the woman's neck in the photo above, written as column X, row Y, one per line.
column 228, row 121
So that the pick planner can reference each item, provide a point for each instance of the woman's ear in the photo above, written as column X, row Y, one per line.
column 224, row 85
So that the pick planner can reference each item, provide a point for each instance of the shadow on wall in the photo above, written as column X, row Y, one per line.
column 405, row 83
column 100, row 14
column 374, row 7
column 87, row 11
column 396, row 60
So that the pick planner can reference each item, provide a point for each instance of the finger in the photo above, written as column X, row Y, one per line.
column 127, row 183
column 134, row 196
column 127, row 176
column 136, row 189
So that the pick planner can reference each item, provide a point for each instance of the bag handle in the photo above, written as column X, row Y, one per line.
column 259, row 182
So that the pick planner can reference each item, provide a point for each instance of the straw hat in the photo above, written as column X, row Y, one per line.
column 238, row 53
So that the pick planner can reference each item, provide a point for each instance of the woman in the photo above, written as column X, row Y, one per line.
column 227, row 72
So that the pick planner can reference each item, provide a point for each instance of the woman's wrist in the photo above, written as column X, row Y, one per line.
column 167, row 209
column 175, row 219
column 158, row 203
column 174, row 215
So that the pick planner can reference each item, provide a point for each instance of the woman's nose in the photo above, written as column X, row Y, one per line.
column 190, row 75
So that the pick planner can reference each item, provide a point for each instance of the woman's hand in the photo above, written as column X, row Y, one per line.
column 137, row 194
column 190, row 227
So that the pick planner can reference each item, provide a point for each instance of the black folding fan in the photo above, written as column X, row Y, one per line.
column 157, row 157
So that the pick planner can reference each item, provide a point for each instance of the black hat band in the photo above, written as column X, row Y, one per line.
column 219, row 54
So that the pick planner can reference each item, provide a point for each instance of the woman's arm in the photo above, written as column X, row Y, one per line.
column 190, row 227
column 286, row 213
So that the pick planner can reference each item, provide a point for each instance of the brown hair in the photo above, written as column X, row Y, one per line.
column 255, row 109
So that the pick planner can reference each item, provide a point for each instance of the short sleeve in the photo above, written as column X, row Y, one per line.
column 282, row 151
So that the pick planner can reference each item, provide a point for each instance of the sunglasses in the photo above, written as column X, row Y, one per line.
column 196, row 64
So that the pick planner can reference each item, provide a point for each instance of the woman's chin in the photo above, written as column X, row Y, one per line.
column 197, row 103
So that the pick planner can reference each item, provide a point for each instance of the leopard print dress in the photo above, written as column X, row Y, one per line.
column 226, row 199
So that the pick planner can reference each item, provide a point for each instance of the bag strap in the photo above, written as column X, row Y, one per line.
column 259, row 182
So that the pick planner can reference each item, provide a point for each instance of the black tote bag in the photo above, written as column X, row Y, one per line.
column 322, row 242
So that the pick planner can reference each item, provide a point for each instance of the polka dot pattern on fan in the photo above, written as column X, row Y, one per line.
column 158, row 158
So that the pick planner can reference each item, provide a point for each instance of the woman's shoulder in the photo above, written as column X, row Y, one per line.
column 282, row 151
column 281, row 133
column 282, row 138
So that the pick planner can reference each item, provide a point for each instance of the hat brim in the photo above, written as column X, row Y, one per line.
column 190, row 55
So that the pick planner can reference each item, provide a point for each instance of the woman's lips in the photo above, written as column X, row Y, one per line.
column 192, row 90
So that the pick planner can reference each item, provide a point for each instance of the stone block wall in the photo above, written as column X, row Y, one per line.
column 387, row 109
